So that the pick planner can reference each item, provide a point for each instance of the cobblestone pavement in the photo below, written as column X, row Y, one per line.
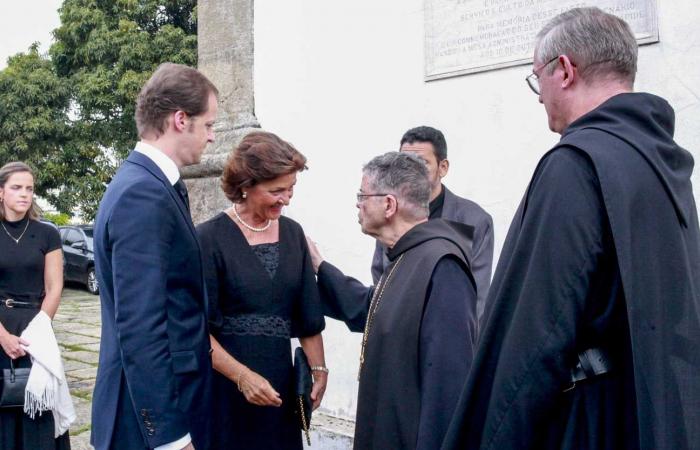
column 77, row 328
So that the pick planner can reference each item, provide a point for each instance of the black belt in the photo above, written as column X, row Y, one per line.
column 12, row 303
column 591, row 363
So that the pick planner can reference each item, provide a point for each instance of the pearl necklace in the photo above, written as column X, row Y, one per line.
column 250, row 227
column 12, row 237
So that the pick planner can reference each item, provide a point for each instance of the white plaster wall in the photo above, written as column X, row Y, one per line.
column 343, row 80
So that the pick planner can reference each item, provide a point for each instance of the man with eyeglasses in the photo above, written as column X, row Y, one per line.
column 429, row 144
column 591, row 330
column 418, row 322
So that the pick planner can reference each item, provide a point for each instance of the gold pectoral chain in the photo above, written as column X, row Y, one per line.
column 373, row 305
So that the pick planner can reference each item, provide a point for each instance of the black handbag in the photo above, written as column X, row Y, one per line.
column 303, row 384
column 14, row 383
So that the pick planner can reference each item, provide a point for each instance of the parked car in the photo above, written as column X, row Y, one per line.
column 78, row 256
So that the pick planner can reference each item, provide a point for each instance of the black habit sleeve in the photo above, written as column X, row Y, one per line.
column 448, row 333
column 344, row 298
column 529, row 338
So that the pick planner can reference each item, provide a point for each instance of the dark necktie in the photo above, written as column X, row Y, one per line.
column 182, row 190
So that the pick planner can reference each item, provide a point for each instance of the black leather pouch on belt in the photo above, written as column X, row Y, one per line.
column 591, row 363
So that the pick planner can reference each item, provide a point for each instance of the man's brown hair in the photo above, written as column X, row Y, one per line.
column 172, row 87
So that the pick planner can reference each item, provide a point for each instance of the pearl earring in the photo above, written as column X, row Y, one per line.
column 245, row 195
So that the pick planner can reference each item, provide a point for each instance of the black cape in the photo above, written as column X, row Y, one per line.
column 533, row 323
column 389, row 399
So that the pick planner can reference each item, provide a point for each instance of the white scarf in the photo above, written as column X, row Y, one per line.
column 47, row 388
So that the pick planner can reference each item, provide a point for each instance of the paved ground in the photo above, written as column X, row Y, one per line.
column 77, row 327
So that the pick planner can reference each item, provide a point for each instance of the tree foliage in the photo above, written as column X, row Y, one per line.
column 34, row 125
column 57, row 218
column 71, row 113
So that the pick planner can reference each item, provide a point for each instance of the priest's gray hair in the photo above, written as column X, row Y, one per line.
column 406, row 177
column 600, row 44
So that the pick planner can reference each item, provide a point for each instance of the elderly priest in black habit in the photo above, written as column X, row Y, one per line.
column 419, row 321
column 592, row 326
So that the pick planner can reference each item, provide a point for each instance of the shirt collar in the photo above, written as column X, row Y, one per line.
column 436, row 205
column 160, row 159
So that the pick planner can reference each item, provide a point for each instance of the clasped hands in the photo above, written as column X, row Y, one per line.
column 14, row 346
column 258, row 391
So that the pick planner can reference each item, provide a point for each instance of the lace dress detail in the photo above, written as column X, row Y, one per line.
column 269, row 256
column 257, row 325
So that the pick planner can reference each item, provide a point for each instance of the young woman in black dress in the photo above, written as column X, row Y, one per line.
column 31, row 279
column 262, row 292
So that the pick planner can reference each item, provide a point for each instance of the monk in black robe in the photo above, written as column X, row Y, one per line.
column 419, row 322
column 590, row 340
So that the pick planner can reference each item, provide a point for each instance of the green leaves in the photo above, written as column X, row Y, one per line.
column 33, row 114
column 70, row 113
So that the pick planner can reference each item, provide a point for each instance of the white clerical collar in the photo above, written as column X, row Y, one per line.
column 160, row 159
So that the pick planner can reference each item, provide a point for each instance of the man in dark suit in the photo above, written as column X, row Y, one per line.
column 429, row 144
column 152, row 388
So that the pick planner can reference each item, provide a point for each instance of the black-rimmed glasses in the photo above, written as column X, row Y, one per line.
column 361, row 196
column 533, row 80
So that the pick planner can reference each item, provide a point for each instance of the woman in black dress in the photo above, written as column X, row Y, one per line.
column 31, row 279
column 262, row 292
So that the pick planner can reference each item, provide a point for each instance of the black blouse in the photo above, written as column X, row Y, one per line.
column 244, row 296
column 22, row 264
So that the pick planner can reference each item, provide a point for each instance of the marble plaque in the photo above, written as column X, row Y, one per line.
column 467, row 36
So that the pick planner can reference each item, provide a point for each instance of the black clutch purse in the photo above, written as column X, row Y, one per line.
column 14, row 383
column 303, row 384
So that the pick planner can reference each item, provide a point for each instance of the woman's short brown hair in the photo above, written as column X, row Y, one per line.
column 261, row 156
column 6, row 172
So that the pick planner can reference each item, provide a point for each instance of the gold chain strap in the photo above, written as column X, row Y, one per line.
column 304, row 425
column 373, row 305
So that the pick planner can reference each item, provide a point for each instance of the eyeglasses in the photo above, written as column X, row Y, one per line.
column 361, row 196
column 533, row 80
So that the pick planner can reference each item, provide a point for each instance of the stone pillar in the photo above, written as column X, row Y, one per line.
column 225, row 47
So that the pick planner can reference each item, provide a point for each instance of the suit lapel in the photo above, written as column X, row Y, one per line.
column 449, row 206
column 146, row 162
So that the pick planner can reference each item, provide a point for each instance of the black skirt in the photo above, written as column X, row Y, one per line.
column 240, row 425
column 17, row 430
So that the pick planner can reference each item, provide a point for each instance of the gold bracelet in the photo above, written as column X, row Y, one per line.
column 323, row 369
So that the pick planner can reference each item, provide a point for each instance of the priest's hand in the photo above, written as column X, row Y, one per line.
column 258, row 391
column 319, row 388
column 316, row 258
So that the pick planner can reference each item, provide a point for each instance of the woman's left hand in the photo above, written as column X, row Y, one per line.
column 319, row 388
